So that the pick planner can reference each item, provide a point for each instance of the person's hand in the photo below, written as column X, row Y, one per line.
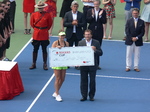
column 75, row 22
column 134, row 39
column 94, row 48
column 4, row 40
column 100, row 13
column 59, row 47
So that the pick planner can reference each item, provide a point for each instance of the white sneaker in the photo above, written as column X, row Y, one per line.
column 58, row 98
column 54, row 94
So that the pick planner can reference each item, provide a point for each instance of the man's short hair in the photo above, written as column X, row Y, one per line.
column 136, row 9
column 97, row 1
column 88, row 30
column 74, row 3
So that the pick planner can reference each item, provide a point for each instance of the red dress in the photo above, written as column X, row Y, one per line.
column 51, row 8
column 28, row 6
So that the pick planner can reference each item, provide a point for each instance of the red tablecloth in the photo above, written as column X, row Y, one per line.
column 10, row 83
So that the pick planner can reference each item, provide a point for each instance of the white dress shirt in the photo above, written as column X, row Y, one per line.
column 74, row 15
column 88, row 43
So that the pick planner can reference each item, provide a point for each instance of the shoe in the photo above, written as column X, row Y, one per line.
column 104, row 37
column 83, row 99
column 33, row 66
column 109, row 38
column 146, row 40
column 25, row 31
column 45, row 67
column 6, row 59
column 124, row 38
column 28, row 31
column 137, row 70
column 58, row 98
column 77, row 68
column 92, row 99
column 99, row 68
column 127, row 69
column 54, row 95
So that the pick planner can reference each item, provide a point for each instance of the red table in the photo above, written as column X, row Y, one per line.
column 10, row 80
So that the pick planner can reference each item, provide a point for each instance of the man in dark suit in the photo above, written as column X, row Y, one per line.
column 135, row 30
column 96, row 18
column 129, row 5
column 74, row 22
column 89, row 70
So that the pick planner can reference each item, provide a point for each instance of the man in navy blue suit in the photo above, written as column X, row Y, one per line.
column 130, row 4
column 135, row 30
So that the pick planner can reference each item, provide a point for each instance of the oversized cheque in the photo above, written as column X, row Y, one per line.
column 71, row 56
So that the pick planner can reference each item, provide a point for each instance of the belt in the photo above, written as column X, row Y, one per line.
column 132, row 6
column 88, row 6
column 40, row 27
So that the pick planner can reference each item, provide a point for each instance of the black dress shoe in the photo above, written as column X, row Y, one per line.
column 91, row 99
column 77, row 68
column 99, row 68
column 83, row 99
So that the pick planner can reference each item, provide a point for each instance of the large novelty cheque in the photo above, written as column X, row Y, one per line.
column 71, row 56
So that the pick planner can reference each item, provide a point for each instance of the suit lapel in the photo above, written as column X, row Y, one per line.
column 84, row 42
column 71, row 16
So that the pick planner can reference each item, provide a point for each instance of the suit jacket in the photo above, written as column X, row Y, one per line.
column 97, row 53
column 136, row 4
column 96, row 26
column 131, row 31
column 69, row 27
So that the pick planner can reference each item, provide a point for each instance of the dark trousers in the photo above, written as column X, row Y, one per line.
column 43, row 43
column 84, row 82
column 85, row 10
column 12, row 13
column 73, row 40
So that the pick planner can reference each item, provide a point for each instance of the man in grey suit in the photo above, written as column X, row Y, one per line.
column 89, row 70
column 74, row 22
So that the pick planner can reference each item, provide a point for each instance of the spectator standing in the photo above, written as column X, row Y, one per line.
column 146, row 17
column 52, row 9
column 12, row 13
column 2, row 40
column 135, row 30
column 28, row 7
column 74, row 22
column 41, row 22
column 130, row 5
column 110, row 14
column 88, row 4
column 66, row 6
column 96, row 18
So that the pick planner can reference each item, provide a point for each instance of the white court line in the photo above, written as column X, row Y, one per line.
column 116, row 77
column 22, row 50
column 43, row 89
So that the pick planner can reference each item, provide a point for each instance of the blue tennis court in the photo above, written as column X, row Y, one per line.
column 117, row 90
